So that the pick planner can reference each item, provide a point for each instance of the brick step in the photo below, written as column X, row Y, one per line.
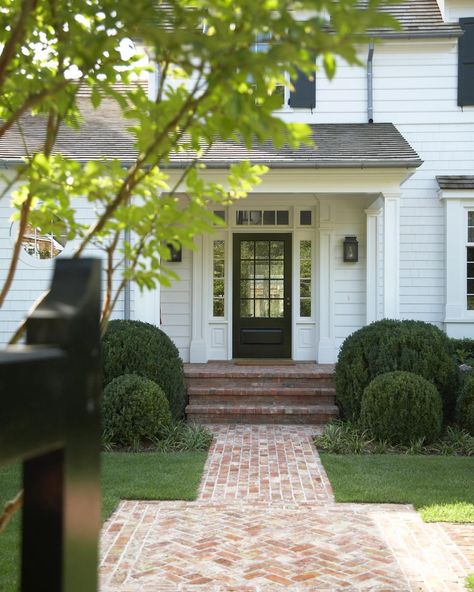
column 256, row 395
column 289, row 414
column 241, row 381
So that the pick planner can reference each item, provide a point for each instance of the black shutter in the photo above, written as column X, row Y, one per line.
column 466, row 63
column 304, row 95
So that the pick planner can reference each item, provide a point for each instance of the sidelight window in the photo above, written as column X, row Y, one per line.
column 305, row 278
column 218, row 279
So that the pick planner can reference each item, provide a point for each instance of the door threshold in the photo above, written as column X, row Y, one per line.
column 263, row 362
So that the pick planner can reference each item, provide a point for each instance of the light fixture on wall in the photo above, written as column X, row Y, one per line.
column 351, row 249
column 176, row 253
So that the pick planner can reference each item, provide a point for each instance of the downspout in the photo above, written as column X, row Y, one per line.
column 370, row 83
column 127, row 236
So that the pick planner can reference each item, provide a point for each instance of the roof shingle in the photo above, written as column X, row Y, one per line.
column 455, row 181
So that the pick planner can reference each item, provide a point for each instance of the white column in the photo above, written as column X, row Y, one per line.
column 391, row 256
column 373, row 215
column 198, row 348
column 327, row 350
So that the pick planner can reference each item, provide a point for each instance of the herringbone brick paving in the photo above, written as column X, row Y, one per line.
column 265, row 520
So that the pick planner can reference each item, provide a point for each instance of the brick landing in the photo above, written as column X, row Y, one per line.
column 265, row 520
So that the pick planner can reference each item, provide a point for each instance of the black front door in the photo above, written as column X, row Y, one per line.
column 262, row 296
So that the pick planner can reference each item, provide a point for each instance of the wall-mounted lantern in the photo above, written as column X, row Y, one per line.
column 351, row 249
column 176, row 253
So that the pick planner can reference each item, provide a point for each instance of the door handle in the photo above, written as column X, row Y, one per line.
column 288, row 301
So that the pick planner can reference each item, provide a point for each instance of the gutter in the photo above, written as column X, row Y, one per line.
column 370, row 83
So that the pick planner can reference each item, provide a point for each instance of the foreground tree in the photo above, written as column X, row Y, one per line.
column 211, row 84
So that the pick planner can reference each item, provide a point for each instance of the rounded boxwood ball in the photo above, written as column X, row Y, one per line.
column 390, row 345
column 401, row 407
column 134, row 409
column 134, row 347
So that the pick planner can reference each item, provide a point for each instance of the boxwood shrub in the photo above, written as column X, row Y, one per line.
column 134, row 409
column 465, row 403
column 401, row 407
column 390, row 345
column 134, row 347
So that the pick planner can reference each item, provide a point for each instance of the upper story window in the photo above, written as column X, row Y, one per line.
column 304, row 94
column 466, row 63
column 470, row 261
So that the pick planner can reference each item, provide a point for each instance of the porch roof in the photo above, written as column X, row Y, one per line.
column 103, row 135
column 337, row 145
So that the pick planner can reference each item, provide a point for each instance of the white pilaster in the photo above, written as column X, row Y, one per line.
column 327, row 350
column 198, row 348
column 456, row 225
column 391, row 258
column 373, row 215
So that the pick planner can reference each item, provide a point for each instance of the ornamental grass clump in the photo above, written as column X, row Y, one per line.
column 402, row 408
column 387, row 346
column 134, row 411
column 134, row 347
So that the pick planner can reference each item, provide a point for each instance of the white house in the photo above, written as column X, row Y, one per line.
column 393, row 175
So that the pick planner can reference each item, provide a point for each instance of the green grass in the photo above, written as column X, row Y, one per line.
column 156, row 475
column 440, row 487
column 470, row 583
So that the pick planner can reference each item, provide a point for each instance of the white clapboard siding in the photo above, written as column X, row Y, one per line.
column 176, row 306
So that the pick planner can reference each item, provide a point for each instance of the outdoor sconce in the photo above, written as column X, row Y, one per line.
column 351, row 249
column 176, row 253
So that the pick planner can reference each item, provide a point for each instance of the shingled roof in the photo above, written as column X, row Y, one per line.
column 104, row 135
column 418, row 18
column 342, row 145
column 456, row 181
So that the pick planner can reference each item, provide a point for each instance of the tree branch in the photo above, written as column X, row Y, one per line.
column 18, row 32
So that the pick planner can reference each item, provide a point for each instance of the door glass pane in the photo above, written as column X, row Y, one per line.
column 470, row 254
column 262, row 249
column 470, row 270
column 262, row 308
column 276, row 308
column 470, row 303
column 262, row 270
column 261, row 289
column 277, row 249
column 246, row 269
column 246, row 308
column 246, row 289
column 247, row 249
column 276, row 289
column 276, row 269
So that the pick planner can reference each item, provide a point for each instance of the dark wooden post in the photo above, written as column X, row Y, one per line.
column 52, row 423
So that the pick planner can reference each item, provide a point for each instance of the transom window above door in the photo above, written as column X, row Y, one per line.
column 262, row 217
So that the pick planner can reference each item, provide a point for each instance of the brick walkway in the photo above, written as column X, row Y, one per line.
column 265, row 520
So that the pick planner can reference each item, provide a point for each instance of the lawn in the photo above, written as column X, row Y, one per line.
column 440, row 487
column 159, row 476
